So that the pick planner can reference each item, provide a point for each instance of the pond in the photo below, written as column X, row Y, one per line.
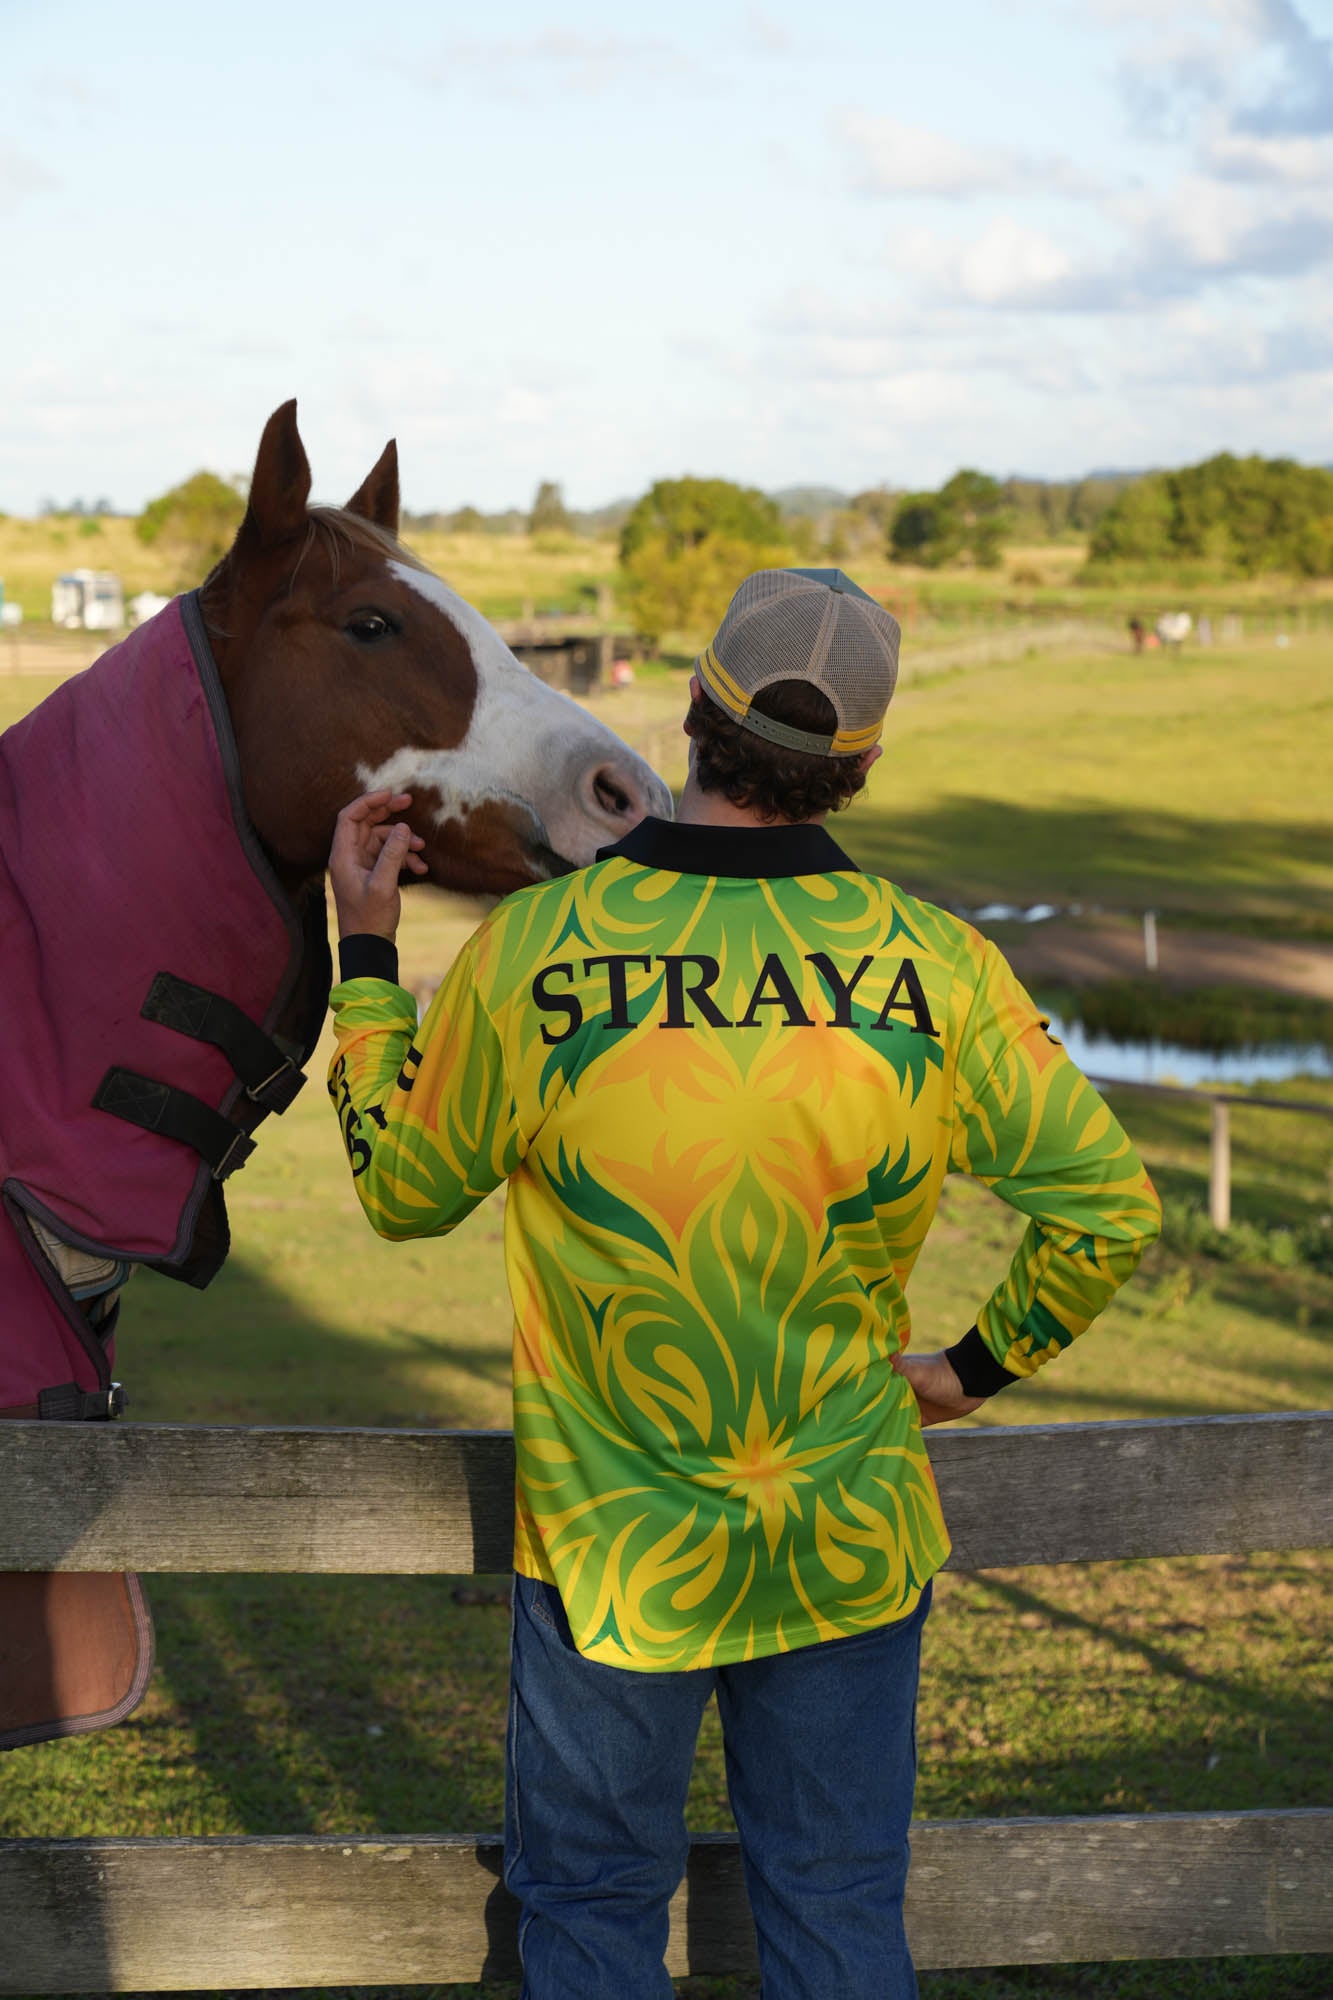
column 1152, row 1061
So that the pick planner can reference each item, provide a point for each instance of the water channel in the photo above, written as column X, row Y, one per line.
column 1171, row 1062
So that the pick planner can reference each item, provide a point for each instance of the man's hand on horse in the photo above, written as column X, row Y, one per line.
column 370, row 851
column 938, row 1392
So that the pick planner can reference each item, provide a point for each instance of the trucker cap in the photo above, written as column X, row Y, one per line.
column 811, row 625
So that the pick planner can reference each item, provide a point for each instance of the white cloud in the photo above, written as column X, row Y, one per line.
column 1296, row 75
column 1009, row 260
column 767, row 34
column 1192, row 345
column 887, row 157
column 574, row 61
column 21, row 176
column 1283, row 161
column 1153, row 249
column 1249, row 66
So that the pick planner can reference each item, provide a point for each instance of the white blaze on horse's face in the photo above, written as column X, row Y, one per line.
column 527, row 746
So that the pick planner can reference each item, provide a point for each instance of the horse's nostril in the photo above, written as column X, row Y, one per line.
column 610, row 796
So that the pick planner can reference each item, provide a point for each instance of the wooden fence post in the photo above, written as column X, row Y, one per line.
column 1150, row 940
column 1219, row 1167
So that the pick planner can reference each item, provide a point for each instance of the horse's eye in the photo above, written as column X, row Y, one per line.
column 368, row 626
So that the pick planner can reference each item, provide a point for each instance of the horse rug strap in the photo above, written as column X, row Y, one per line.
column 267, row 1065
column 155, row 1106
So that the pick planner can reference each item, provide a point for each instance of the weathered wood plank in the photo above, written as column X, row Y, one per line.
column 1059, row 1493
column 168, row 1497
column 168, row 1915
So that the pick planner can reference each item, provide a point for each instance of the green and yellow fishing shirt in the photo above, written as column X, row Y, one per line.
column 725, row 1073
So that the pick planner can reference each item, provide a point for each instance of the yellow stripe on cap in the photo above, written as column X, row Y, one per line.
column 848, row 741
column 723, row 686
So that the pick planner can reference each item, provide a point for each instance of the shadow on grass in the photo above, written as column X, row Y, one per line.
column 367, row 1704
column 246, row 1351
column 975, row 850
column 1161, row 1660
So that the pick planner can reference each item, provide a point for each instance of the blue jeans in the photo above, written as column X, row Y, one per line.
column 821, row 1767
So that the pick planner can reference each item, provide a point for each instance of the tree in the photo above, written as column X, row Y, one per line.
column 920, row 531
column 1233, row 516
column 966, row 519
column 875, row 504
column 193, row 525
column 549, row 514
column 1137, row 527
column 687, row 544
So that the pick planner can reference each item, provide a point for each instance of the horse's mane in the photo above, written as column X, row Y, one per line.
column 341, row 531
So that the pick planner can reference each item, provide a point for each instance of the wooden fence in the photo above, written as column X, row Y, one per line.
column 154, row 1915
column 1219, row 1149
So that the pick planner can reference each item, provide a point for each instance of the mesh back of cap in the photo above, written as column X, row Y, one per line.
column 782, row 625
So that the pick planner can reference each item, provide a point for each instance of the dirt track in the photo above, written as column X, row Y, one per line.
column 1084, row 953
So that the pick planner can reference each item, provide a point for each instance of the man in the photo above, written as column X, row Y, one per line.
column 724, row 1074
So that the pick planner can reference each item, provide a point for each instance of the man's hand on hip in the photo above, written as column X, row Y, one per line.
column 370, row 851
column 938, row 1392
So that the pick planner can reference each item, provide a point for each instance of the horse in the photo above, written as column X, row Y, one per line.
column 348, row 665
column 165, row 820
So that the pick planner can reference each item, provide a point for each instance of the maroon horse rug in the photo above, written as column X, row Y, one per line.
column 164, row 965
column 161, row 993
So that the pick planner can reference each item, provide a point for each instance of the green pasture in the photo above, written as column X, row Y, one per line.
column 342, row 1705
column 1194, row 783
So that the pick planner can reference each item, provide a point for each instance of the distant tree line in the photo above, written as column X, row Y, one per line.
column 1237, row 516
column 76, row 509
column 686, row 543
column 548, row 515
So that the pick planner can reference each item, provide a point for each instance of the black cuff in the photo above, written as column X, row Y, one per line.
column 365, row 956
column 978, row 1372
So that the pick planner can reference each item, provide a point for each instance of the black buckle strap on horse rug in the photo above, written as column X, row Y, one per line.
column 271, row 1077
column 164, row 1108
column 69, row 1404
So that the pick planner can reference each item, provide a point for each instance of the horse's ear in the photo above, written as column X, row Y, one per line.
column 376, row 498
column 280, row 487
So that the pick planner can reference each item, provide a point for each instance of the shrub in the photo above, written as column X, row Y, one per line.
column 687, row 544
column 193, row 525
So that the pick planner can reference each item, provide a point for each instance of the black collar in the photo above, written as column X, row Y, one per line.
column 747, row 852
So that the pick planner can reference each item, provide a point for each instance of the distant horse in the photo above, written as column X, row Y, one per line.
column 164, row 824
column 1173, row 628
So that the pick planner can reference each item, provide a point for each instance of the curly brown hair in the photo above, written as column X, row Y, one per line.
column 762, row 777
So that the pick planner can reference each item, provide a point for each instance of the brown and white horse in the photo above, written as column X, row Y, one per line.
column 164, row 826
column 348, row 665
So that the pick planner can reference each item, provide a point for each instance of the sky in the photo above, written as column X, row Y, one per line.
column 859, row 244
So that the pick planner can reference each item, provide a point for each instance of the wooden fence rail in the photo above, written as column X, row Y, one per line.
column 194, row 1497
column 104, row 1916
column 164, row 1915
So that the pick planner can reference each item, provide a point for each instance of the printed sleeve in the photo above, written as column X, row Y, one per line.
column 1029, row 1125
column 427, row 1114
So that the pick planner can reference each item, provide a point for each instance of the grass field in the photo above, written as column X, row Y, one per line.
column 342, row 1705
column 1195, row 784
